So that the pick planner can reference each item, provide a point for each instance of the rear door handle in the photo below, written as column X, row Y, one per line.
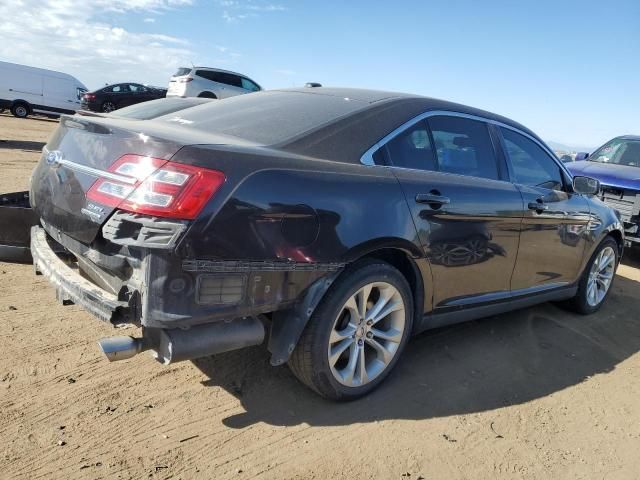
column 432, row 199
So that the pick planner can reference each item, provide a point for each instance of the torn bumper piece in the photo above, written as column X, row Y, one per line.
column 16, row 220
column 70, row 285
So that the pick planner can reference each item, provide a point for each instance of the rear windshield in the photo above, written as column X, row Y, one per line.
column 267, row 118
column 182, row 71
column 157, row 108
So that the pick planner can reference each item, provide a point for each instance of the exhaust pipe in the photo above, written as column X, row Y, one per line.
column 121, row 348
column 206, row 340
column 176, row 345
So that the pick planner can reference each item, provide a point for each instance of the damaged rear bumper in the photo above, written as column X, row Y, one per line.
column 70, row 286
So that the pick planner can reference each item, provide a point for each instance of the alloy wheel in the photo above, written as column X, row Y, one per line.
column 601, row 276
column 366, row 334
column 108, row 107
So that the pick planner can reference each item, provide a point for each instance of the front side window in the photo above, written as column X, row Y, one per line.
column 530, row 164
column 619, row 152
column 463, row 147
column 412, row 149
column 230, row 79
column 249, row 85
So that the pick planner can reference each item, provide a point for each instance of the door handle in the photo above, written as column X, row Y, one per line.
column 432, row 199
column 539, row 206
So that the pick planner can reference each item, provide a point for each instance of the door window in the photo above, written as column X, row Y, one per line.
column 463, row 146
column 249, row 85
column 134, row 87
column 119, row 88
column 530, row 164
column 412, row 149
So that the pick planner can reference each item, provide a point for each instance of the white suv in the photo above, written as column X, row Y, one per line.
column 209, row 83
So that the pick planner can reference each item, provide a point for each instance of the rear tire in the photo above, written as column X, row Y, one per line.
column 20, row 110
column 349, row 346
column 597, row 279
column 107, row 107
column 207, row 95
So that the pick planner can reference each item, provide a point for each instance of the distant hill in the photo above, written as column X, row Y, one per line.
column 560, row 147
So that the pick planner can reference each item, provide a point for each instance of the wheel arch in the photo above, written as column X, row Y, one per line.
column 619, row 238
column 21, row 101
column 287, row 325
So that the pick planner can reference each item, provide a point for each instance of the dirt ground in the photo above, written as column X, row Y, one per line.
column 538, row 393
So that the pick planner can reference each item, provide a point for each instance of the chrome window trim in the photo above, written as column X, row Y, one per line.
column 367, row 157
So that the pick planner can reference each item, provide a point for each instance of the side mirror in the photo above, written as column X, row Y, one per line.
column 582, row 156
column 586, row 185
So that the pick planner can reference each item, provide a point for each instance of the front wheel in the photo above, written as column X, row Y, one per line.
column 357, row 333
column 597, row 278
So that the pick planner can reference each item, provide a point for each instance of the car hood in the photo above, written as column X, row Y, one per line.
column 621, row 176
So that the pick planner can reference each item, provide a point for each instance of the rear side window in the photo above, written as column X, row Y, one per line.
column 463, row 146
column 119, row 89
column 412, row 149
column 182, row 71
column 530, row 164
column 220, row 77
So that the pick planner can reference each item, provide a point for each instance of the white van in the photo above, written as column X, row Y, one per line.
column 25, row 90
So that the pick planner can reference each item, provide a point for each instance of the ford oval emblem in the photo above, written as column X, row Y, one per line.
column 53, row 158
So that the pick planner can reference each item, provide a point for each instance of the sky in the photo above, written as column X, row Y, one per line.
column 569, row 70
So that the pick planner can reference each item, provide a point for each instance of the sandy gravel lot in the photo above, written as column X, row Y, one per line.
column 539, row 393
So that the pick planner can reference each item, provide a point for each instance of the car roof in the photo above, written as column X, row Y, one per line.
column 300, row 121
column 365, row 127
column 212, row 69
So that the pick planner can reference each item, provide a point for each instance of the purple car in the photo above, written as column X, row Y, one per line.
column 617, row 165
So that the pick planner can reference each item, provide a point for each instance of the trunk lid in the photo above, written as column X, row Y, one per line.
column 81, row 150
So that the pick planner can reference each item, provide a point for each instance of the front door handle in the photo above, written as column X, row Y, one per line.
column 432, row 199
column 539, row 206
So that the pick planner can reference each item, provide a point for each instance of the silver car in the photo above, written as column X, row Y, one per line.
column 209, row 83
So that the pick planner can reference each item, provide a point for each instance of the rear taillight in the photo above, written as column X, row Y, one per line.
column 185, row 79
column 89, row 96
column 157, row 187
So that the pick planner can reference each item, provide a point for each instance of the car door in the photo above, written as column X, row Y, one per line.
column 119, row 95
column 555, row 223
column 466, row 213
column 139, row 93
column 232, row 85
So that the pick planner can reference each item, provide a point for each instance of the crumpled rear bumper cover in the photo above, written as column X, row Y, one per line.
column 69, row 284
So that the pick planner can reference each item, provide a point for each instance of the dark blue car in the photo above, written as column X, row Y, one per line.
column 617, row 165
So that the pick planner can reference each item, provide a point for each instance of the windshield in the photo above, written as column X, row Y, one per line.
column 619, row 152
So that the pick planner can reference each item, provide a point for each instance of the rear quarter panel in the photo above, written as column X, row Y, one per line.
column 279, row 208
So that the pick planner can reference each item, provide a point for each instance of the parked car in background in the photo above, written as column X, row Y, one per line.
column 113, row 97
column 333, row 223
column 209, row 83
column 616, row 165
column 27, row 90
